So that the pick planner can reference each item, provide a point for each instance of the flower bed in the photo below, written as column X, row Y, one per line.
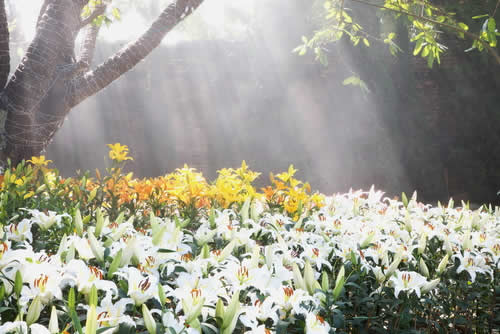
column 176, row 254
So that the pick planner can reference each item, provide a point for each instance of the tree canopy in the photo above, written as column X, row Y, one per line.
column 425, row 21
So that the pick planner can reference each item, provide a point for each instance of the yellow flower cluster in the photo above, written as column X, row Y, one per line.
column 185, row 187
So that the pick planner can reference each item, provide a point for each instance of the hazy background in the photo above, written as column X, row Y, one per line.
column 225, row 87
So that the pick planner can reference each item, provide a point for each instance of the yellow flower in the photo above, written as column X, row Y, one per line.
column 29, row 194
column 39, row 161
column 318, row 200
column 285, row 176
column 18, row 181
column 118, row 152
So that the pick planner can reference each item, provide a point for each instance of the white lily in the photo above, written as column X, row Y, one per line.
column 315, row 324
column 111, row 314
column 20, row 231
column 473, row 264
column 46, row 219
column 78, row 273
column 407, row 281
column 141, row 288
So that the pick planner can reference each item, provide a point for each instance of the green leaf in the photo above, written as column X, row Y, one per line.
column 164, row 250
column 114, row 265
column 418, row 47
column 479, row 16
column 463, row 26
column 76, row 321
column 116, row 13
column 492, row 26
column 441, row 19
column 426, row 51
column 352, row 80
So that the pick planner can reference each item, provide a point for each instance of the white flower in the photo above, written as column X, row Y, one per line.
column 11, row 326
column 259, row 311
column 43, row 281
column 111, row 315
column 77, row 272
column 46, row 220
column 289, row 299
column 407, row 281
column 177, row 324
column 141, row 288
column 473, row 264
column 20, row 231
column 259, row 330
column 315, row 324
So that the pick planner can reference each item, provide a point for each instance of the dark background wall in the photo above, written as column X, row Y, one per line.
column 212, row 104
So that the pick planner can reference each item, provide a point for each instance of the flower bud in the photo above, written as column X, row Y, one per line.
column 394, row 265
column 324, row 281
column 78, row 222
column 96, row 247
column 149, row 321
column 34, row 310
column 53, row 322
column 430, row 285
column 422, row 243
column 297, row 278
column 99, row 222
column 367, row 240
column 442, row 264
column 339, row 283
column 309, row 277
column 447, row 247
column 423, row 268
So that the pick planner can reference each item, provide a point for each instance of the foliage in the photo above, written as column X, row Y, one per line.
column 177, row 254
column 424, row 20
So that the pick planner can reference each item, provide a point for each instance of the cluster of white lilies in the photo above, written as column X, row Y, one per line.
column 238, row 271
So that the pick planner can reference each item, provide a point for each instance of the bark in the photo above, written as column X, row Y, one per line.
column 51, row 49
column 49, row 81
column 4, row 46
column 125, row 59
column 90, row 39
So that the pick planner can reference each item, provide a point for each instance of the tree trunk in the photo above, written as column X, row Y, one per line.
column 50, row 81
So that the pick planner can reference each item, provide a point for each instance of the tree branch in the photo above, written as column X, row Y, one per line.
column 42, row 11
column 125, row 59
column 98, row 11
column 492, row 51
column 4, row 46
column 496, row 8
column 89, row 42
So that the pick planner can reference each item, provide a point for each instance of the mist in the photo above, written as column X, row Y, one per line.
column 226, row 87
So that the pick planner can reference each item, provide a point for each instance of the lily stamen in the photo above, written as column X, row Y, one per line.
column 144, row 284
column 96, row 272
column 315, row 252
column 288, row 291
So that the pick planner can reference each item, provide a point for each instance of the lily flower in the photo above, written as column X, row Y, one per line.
column 46, row 219
column 315, row 324
column 407, row 281
column 78, row 273
column 111, row 314
column 473, row 264
column 141, row 288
